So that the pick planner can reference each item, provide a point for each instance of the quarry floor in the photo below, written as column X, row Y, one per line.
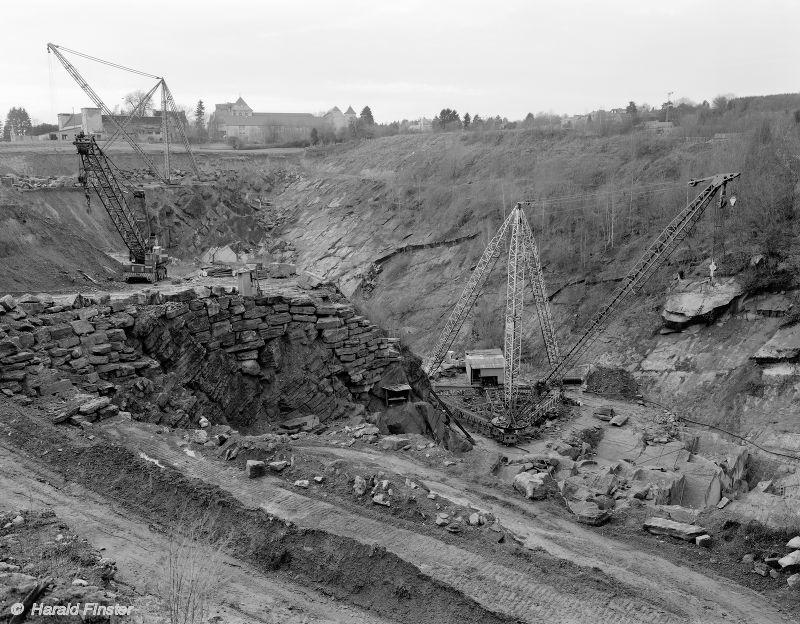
column 541, row 565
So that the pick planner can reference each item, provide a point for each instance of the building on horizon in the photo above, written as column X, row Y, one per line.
column 237, row 121
column 146, row 128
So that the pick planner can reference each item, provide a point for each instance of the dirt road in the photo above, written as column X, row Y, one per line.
column 706, row 598
column 250, row 596
column 694, row 597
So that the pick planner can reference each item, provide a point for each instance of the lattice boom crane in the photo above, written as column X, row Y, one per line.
column 147, row 262
column 652, row 258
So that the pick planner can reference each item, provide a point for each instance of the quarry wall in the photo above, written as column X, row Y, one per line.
column 198, row 353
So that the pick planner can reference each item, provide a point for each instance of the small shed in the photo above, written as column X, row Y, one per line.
column 395, row 394
column 485, row 367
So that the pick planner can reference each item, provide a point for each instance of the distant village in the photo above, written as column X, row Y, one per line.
column 237, row 124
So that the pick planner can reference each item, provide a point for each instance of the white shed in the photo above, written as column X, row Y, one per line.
column 485, row 366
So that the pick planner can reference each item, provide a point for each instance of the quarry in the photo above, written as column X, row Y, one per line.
column 514, row 374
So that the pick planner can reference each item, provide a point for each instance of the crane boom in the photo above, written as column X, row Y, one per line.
column 514, row 304
column 98, row 173
column 534, row 268
column 653, row 257
column 467, row 299
column 100, row 104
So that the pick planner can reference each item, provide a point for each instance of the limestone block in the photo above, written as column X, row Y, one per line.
column 94, row 405
column 681, row 530
column 122, row 319
column 304, row 318
column 534, row 486
column 81, row 327
column 279, row 318
column 255, row 468
column 116, row 335
column 334, row 335
column 251, row 367
column 329, row 322
column 792, row 559
column 272, row 332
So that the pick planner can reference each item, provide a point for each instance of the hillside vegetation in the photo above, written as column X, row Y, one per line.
column 599, row 202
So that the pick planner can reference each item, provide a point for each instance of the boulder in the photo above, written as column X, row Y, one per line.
column 534, row 486
column 792, row 559
column 442, row 519
column 394, row 442
column 793, row 580
column 380, row 499
column 251, row 367
column 302, row 483
column 618, row 420
column 359, row 485
column 703, row 540
column 794, row 542
column 90, row 407
column 588, row 512
column 698, row 300
column 255, row 468
column 278, row 466
column 681, row 530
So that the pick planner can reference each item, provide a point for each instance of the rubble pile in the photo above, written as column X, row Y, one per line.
column 612, row 381
column 42, row 561
column 777, row 561
column 35, row 183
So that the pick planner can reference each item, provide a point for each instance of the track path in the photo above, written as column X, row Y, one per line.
column 521, row 592
column 250, row 596
column 706, row 598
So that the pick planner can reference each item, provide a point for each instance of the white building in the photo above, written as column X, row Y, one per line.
column 485, row 367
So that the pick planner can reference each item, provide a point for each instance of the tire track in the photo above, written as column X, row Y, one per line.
column 520, row 593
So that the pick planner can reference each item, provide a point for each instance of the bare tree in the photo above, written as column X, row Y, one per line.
column 134, row 100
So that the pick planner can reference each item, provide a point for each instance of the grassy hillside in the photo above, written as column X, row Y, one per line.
column 600, row 200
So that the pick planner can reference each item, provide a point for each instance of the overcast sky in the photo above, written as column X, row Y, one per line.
column 405, row 59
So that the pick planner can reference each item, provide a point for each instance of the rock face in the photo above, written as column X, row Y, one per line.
column 182, row 357
column 783, row 346
column 698, row 300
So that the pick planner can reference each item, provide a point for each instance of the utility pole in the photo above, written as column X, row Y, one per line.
column 669, row 103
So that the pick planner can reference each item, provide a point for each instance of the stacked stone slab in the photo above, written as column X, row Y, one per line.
column 57, row 346
column 247, row 328
column 212, row 339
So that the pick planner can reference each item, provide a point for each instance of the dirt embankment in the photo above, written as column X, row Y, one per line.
column 368, row 577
